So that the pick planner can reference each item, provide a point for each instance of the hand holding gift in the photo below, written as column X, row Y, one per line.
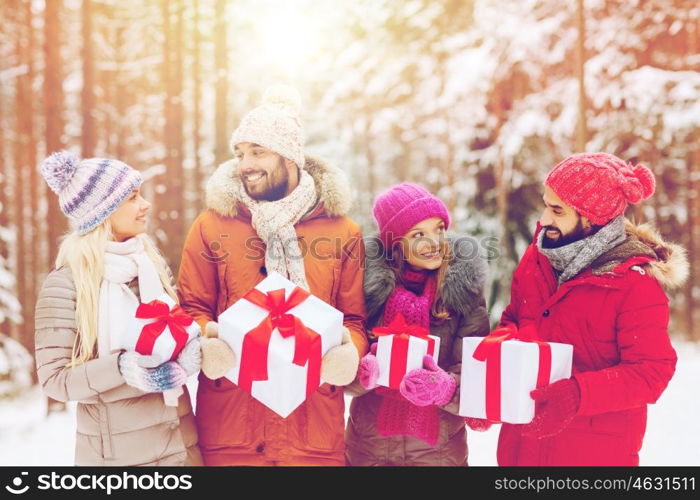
column 401, row 348
column 159, row 332
column 477, row 424
column 339, row 364
column 368, row 373
column 280, row 335
column 430, row 385
column 556, row 407
column 217, row 356
column 165, row 377
column 501, row 370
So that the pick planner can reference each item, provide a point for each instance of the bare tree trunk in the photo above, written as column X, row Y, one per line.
column 53, row 110
column 23, row 161
column 221, row 71
column 4, row 178
column 693, row 243
column 87, row 95
column 196, row 63
column 582, row 129
column 170, row 204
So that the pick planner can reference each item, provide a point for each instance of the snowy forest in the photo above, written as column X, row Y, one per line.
column 475, row 99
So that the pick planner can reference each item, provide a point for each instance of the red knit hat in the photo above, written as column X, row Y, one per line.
column 600, row 185
column 401, row 207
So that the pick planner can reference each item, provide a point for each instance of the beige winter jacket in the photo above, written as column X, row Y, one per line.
column 117, row 425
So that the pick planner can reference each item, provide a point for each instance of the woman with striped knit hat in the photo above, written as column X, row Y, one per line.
column 105, row 266
column 413, row 269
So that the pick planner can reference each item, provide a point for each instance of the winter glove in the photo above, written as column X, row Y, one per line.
column 430, row 385
column 557, row 405
column 190, row 358
column 167, row 376
column 368, row 374
column 477, row 424
column 217, row 356
column 339, row 365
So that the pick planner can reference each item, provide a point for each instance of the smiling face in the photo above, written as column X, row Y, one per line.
column 129, row 219
column 421, row 245
column 561, row 223
column 265, row 174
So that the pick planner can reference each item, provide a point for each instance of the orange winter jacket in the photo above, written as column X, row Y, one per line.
column 222, row 259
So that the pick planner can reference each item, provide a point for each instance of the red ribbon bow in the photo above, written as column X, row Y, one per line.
column 489, row 351
column 307, row 343
column 176, row 319
column 402, row 332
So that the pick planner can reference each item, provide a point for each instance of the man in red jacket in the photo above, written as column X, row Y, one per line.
column 592, row 279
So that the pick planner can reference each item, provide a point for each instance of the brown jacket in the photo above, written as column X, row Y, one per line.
column 223, row 258
column 463, row 294
column 117, row 424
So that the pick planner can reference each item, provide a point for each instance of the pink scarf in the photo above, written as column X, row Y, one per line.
column 397, row 416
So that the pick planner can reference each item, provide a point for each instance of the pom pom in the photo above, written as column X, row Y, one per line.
column 638, row 184
column 58, row 169
column 646, row 177
column 283, row 95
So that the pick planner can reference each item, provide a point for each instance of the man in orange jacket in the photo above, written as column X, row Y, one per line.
column 273, row 208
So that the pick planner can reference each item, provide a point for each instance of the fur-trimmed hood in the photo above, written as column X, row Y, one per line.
column 464, row 283
column 668, row 264
column 332, row 188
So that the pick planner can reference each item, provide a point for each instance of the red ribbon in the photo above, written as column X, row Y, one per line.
column 176, row 320
column 489, row 351
column 307, row 343
column 402, row 332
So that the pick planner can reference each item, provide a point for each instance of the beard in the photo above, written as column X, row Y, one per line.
column 577, row 233
column 275, row 186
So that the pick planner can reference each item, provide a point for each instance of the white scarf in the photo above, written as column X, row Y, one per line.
column 274, row 222
column 124, row 261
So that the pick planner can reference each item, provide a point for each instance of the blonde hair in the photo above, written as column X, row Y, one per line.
column 83, row 254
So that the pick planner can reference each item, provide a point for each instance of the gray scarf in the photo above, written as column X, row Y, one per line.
column 573, row 258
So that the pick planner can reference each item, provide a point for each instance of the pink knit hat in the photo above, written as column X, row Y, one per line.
column 401, row 207
column 600, row 185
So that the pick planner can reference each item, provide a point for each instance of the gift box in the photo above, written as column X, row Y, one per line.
column 160, row 329
column 279, row 334
column 401, row 348
column 500, row 371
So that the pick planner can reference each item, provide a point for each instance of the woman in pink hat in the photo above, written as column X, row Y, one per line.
column 415, row 270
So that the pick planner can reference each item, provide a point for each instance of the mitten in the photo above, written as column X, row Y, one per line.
column 368, row 373
column 339, row 364
column 190, row 358
column 217, row 356
column 556, row 407
column 161, row 378
column 430, row 385
column 477, row 424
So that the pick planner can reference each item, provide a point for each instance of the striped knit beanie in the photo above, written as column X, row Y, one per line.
column 275, row 124
column 88, row 190
column 600, row 185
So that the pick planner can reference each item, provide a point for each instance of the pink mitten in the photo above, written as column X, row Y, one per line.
column 430, row 385
column 368, row 373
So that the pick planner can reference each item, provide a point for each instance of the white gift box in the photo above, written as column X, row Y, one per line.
column 164, row 346
column 286, row 385
column 519, row 370
column 417, row 349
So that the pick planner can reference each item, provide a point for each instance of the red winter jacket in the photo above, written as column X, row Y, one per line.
column 615, row 314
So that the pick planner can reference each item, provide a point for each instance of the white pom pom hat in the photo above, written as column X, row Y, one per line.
column 88, row 190
column 275, row 124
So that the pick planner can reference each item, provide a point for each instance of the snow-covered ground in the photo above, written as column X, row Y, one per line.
column 672, row 438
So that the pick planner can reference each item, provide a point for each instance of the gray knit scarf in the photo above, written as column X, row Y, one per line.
column 573, row 258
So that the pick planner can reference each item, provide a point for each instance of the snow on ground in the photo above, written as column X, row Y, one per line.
column 672, row 438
